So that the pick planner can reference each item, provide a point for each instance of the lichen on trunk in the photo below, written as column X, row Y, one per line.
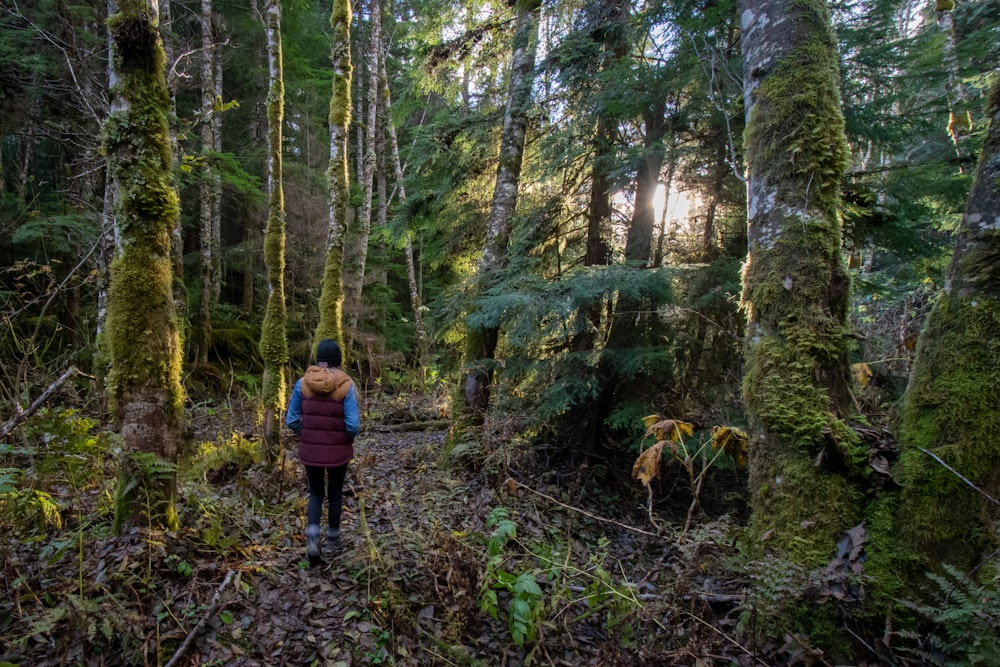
column 273, row 337
column 142, row 333
column 331, row 300
column 804, row 456
column 951, row 413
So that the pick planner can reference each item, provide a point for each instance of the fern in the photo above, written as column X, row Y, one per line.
column 138, row 472
column 966, row 616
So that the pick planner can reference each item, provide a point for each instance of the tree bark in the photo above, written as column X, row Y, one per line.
column 205, row 189
column 273, row 337
column 803, row 455
column 481, row 342
column 411, row 275
column 952, row 406
column 142, row 330
column 331, row 301
column 355, row 285
column 959, row 118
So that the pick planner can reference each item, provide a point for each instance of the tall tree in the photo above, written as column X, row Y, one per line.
column 795, row 286
column 273, row 336
column 331, row 300
column 481, row 340
column 411, row 275
column 959, row 118
column 142, row 322
column 355, row 285
column 952, row 406
column 205, row 236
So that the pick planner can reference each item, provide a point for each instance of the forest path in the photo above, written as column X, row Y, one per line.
column 577, row 575
column 332, row 614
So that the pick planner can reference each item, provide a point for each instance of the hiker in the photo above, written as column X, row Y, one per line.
column 323, row 411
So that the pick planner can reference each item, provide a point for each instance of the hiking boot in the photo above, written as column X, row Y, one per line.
column 312, row 544
column 333, row 540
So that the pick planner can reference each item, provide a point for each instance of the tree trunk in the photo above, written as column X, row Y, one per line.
column 273, row 337
column 411, row 274
column 959, row 119
column 803, row 454
column 599, row 210
column 142, row 322
column 355, row 285
column 952, row 407
column 331, row 300
column 629, row 322
column 205, row 190
column 177, row 233
column 481, row 342
column 218, row 29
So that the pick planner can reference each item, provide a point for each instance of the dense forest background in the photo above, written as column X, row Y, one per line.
column 558, row 331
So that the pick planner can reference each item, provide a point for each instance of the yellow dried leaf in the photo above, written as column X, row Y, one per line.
column 649, row 420
column 734, row 441
column 647, row 466
column 671, row 430
column 862, row 374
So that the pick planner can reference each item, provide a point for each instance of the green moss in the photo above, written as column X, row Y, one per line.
column 331, row 300
column 142, row 332
column 795, row 136
column 953, row 410
column 799, row 510
column 806, row 461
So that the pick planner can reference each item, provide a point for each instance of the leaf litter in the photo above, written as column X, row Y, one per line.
column 415, row 583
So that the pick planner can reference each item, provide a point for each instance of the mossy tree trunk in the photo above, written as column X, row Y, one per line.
column 206, row 187
column 142, row 331
column 481, row 340
column 177, row 233
column 952, row 405
column 356, row 282
column 273, row 337
column 803, row 455
column 331, row 300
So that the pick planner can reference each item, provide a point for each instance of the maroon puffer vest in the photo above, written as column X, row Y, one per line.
column 323, row 440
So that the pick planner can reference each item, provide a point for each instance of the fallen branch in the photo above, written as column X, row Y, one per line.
column 432, row 425
column 959, row 475
column 21, row 415
column 204, row 619
column 583, row 512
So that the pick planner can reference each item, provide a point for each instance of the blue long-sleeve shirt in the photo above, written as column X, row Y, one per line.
column 293, row 417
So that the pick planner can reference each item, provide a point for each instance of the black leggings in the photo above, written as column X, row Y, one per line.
column 333, row 492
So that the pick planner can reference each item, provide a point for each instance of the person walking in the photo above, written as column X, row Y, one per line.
column 323, row 412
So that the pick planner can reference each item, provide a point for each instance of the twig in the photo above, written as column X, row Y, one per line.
column 21, row 415
column 584, row 512
column 959, row 475
column 204, row 619
column 724, row 636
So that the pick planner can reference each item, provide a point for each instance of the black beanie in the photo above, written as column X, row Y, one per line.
column 328, row 353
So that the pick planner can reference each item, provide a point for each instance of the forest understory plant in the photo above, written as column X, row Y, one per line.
column 695, row 460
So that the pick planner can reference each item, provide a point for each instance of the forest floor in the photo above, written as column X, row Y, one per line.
column 513, row 560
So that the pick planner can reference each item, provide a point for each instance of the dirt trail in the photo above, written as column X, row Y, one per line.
column 322, row 615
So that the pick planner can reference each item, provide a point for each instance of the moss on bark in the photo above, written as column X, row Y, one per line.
column 273, row 336
column 805, row 459
column 952, row 409
column 331, row 300
column 142, row 332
